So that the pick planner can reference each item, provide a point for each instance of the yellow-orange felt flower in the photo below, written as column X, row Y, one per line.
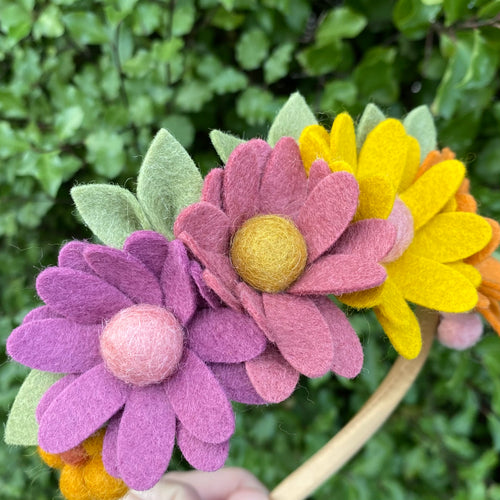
column 83, row 476
column 427, row 265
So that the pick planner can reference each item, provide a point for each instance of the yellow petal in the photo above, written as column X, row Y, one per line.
column 452, row 236
column 470, row 272
column 451, row 205
column 431, row 284
column 343, row 140
column 399, row 322
column 314, row 143
column 341, row 166
column 430, row 192
column 363, row 300
column 376, row 197
column 384, row 152
column 412, row 164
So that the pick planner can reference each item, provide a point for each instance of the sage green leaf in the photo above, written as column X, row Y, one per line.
column 111, row 212
column 371, row 117
column 291, row 120
column 168, row 181
column 419, row 123
column 22, row 428
column 224, row 143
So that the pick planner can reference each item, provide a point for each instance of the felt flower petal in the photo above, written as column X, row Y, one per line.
column 371, row 239
column 371, row 117
column 314, row 144
column 347, row 349
column 399, row 322
column 202, row 456
column 82, row 408
column 126, row 273
column 341, row 166
column 343, row 140
column 242, row 179
column 79, row 295
column 272, row 376
column 110, row 446
column 221, row 290
column 492, row 315
column 376, row 197
column 412, row 164
column 252, row 302
column 56, row 345
column 149, row 247
column 42, row 312
column 225, row 336
column 146, row 437
column 204, row 290
column 284, row 183
column 365, row 299
column 301, row 333
column 71, row 255
column 51, row 394
column 178, row 288
column 339, row 274
column 493, row 244
column 199, row 401
column 234, row 379
column 327, row 212
column 319, row 170
column 384, row 152
column 431, row 284
column 430, row 192
column 490, row 270
column 211, row 192
column 470, row 272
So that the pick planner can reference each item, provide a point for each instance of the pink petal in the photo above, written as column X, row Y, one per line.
column 146, row 437
column 199, row 401
column 371, row 239
column 302, row 335
column 109, row 446
column 225, row 336
column 234, row 379
column 339, row 274
column 71, row 255
column 318, row 171
column 178, row 287
column 347, row 349
column 204, row 290
column 220, row 289
column 82, row 408
column 52, row 394
column 212, row 187
column 251, row 300
column 242, row 178
column 42, row 312
column 284, row 181
column 206, row 224
column 56, row 345
column 149, row 247
column 126, row 273
column 327, row 212
column 402, row 220
column 202, row 456
column 271, row 376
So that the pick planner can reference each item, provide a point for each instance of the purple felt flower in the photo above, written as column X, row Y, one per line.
column 143, row 343
column 275, row 242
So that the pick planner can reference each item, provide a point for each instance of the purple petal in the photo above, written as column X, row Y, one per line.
column 109, row 446
column 207, row 294
column 234, row 379
column 199, row 401
column 149, row 247
column 81, row 409
column 347, row 349
column 56, row 345
column 226, row 295
column 242, row 178
column 212, row 187
column 178, row 287
column 52, row 394
column 126, row 273
column 80, row 296
column 42, row 312
column 339, row 274
column 71, row 255
column 225, row 336
column 202, row 456
column 318, row 171
column 284, row 181
column 146, row 437
column 327, row 212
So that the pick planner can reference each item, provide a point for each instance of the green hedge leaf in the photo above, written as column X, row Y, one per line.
column 341, row 22
column 252, row 48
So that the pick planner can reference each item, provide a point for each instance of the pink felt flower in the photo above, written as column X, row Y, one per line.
column 136, row 331
column 274, row 242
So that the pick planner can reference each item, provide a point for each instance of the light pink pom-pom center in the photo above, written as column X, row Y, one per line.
column 142, row 344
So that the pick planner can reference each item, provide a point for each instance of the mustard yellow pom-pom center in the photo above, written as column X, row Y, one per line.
column 269, row 253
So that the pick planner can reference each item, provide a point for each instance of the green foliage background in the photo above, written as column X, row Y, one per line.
column 85, row 84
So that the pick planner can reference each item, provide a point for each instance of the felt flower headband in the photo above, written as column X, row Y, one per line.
column 218, row 290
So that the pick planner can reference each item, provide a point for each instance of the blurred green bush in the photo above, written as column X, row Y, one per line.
column 84, row 85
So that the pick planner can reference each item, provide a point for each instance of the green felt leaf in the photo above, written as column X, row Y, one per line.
column 292, row 118
column 168, row 181
column 341, row 22
column 22, row 428
column 371, row 117
column 111, row 212
column 419, row 123
column 224, row 143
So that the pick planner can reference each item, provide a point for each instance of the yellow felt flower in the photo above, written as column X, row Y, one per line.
column 427, row 265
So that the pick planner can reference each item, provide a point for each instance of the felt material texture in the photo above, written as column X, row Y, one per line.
column 21, row 428
column 291, row 119
column 212, row 185
column 376, row 197
column 224, row 143
column 419, row 123
column 412, row 164
column 343, row 141
column 371, row 117
column 314, row 144
column 459, row 331
column 167, row 182
column 111, row 212
column 258, row 180
column 71, row 255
